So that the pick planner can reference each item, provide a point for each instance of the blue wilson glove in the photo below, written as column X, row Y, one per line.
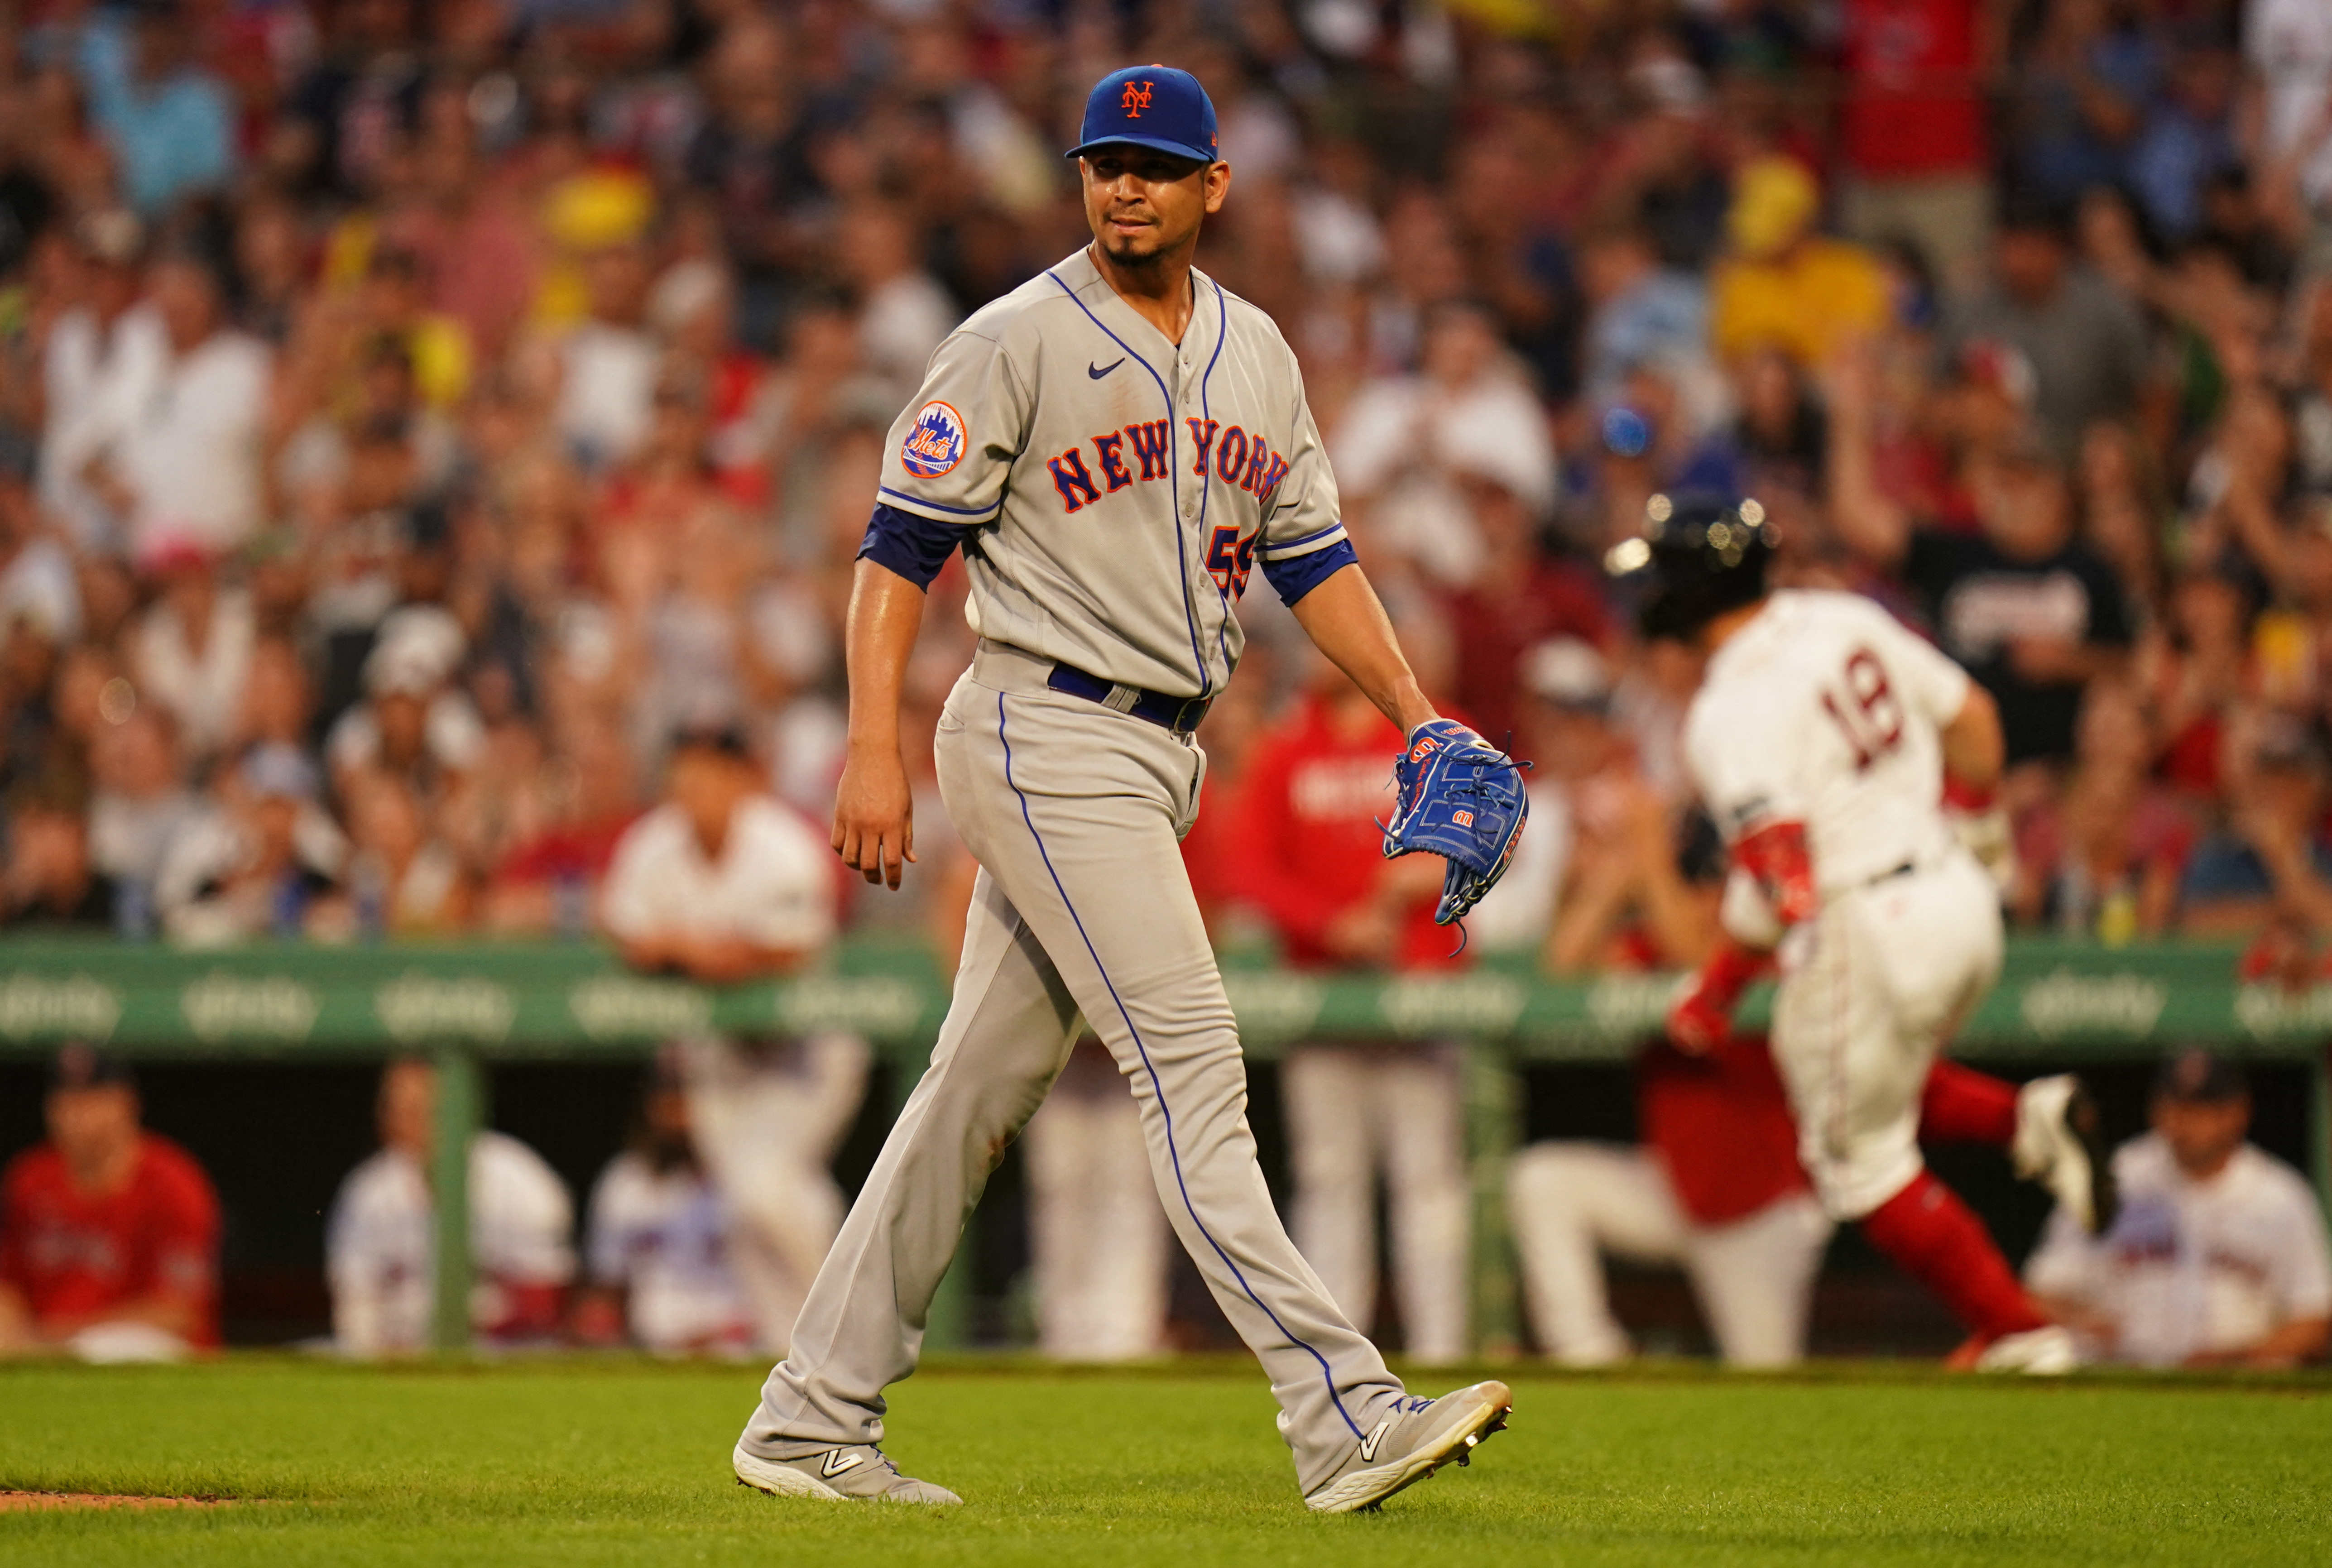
column 1460, row 798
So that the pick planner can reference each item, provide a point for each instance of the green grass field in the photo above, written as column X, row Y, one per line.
column 571, row 1463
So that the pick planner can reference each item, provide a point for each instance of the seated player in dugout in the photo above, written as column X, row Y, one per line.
column 1116, row 444
column 109, row 1233
column 2218, row 1257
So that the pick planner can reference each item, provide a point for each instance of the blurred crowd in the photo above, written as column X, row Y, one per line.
column 418, row 421
column 412, row 416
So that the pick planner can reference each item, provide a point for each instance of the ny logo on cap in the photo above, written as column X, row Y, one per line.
column 1136, row 99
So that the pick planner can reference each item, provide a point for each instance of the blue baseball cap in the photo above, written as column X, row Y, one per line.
column 1152, row 106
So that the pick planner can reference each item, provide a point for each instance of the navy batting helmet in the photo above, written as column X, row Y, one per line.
column 1703, row 556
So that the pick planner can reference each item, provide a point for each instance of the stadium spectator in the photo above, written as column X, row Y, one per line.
column 723, row 884
column 380, row 1242
column 262, row 859
column 2271, row 861
column 106, row 350
column 1781, row 284
column 169, row 121
column 2105, row 858
column 185, row 467
column 413, row 722
column 656, row 1240
column 2024, row 604
column 2219, row 1256
column 1310, row 854
column 1407, row 445
column 2076, row 345
column 191, row 650
column 50, row 882
column 1912, row 133
column 109, row 1233
column 140, row 806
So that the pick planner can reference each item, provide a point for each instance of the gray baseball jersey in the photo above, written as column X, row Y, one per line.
column 1121, row 486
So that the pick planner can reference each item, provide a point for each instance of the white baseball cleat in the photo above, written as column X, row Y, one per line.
column 1415, row 1440
column 2040, row 1352
column 2060, row 1143
column 854, row 1472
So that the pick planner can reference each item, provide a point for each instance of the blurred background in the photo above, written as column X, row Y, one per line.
column 419, row 420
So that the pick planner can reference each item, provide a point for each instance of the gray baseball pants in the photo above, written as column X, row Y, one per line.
column 1083, row 907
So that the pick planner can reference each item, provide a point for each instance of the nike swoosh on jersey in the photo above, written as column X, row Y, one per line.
column 837, row 1461
column 1098, row 373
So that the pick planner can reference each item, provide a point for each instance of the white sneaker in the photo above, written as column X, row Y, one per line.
column 853, row 1472
column 2040, row 1352
column 2060, row 1143
column 1415, row 1440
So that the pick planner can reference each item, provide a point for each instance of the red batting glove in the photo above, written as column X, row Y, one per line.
column 1775, row 854
column 1700, row 1021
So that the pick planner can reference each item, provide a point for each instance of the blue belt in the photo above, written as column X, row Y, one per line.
column 1179, row 714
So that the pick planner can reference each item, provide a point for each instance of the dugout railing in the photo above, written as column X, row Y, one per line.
column 470, row 1004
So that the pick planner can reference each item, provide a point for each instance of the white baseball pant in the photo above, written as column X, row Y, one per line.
column 1098, row 1235
column 1353, row 1111
column 1871, row 988
column 1082, row 906
column 766, row 1120
column 1572, row 1202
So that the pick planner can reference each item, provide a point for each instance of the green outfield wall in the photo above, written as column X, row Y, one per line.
column 469, row 1004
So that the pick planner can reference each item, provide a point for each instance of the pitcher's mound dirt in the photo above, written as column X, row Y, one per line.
column 17, row 1502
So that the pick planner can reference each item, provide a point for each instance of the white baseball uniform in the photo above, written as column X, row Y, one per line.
column 1824, row 710
column 1573, row 1201
column 2191, row 1266
column 1096, row 1235
column 767, row 1116
column 379, row 1244
column 662, row 1237
column 1114, row 490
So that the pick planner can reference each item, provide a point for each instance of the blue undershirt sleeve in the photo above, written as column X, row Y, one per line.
column 1297, row 575
column 913, row 546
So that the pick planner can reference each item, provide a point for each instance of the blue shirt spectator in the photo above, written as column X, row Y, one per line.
column 170, row 122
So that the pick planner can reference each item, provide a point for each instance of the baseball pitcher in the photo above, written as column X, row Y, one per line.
column 1115, row 445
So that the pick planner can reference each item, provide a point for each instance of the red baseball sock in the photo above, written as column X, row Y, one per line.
column 1937, row 1240
column 1962, row 1106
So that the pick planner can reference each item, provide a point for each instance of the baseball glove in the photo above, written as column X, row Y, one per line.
column 1462, row 798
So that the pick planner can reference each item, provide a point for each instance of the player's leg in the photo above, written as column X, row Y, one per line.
column 1569, row 1203
column 1009, row 1027
column 2050, row 1128
column 1958, row 1105
column 1754, row 1279
column 1857, row 1023
column 1075, row 811
column 1332, row 1147
column 1420, row 1117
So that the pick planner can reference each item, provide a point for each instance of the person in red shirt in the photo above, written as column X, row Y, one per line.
column 1307, row 852
column 1715, row 1185
column 109, row 1233
column 1911, row 127
column 1521, row 598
